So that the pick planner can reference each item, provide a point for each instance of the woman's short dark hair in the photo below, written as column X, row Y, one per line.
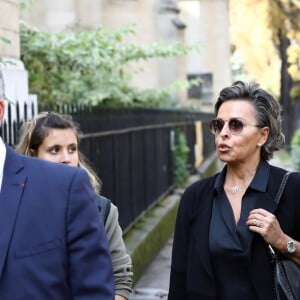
column 268, row 111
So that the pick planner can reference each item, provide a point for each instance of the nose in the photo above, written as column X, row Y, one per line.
column 225, row 130
column 65, row 157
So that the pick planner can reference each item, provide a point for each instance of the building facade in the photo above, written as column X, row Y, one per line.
column 202, row 22
column 14, row 73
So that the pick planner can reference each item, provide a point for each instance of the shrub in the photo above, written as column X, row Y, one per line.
column 180, row 155
column 91, row 67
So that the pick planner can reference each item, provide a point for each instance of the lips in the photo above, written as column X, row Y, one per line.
column 223, row 147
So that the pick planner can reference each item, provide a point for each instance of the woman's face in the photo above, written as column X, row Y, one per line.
column 60, row 145
column 239, row 147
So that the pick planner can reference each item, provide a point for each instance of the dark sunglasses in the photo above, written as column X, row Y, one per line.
column 235, row 125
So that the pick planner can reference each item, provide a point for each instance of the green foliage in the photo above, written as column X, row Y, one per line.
column 180, row 156
column 296, row 138
column 295, row 149
column 5, row 40
column 25, row 3
column 91, row 67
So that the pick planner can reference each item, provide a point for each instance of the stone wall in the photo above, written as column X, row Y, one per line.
column 9, row 28
column 14, row 73
column 208, row 23
column 155, row 20
column 152, row 23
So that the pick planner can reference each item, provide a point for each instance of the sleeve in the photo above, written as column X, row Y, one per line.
column 180, row 250
column 122, row 265
column 89, row 263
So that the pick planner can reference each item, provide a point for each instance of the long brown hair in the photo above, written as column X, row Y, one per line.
column 34, row 132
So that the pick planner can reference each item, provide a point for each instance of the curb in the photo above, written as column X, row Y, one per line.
column 147, row 237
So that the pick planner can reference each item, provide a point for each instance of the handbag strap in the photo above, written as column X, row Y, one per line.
column 282, row 186
column 277, row 199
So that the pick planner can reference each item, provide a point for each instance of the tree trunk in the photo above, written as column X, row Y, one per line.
column 286, row 83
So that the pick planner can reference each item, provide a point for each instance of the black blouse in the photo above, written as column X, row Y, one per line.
column 230, row 242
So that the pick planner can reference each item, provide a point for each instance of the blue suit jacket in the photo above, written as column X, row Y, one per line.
column 52, row 241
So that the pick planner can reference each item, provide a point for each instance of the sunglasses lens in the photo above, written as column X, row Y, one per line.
column 216, row 125
column 235, row 126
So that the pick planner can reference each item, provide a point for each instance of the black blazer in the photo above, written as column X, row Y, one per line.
column 191, row 270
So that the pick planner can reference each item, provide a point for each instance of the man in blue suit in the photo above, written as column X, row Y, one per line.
column 52, row 242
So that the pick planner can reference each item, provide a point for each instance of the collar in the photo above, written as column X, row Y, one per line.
column 261, row 178
column 259, row 181
column 2, row 159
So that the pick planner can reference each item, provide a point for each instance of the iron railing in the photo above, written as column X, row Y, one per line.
column 130, row 150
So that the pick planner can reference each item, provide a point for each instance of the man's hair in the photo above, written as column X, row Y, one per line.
column 2, row 94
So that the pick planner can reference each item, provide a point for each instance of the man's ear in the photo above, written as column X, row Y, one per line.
column 2, row 109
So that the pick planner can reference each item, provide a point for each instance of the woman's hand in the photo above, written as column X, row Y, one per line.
column 266, row 224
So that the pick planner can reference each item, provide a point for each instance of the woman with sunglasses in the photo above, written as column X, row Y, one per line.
column 225, row 222
column 55, row 137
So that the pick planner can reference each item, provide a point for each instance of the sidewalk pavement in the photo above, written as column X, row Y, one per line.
column 154, row 283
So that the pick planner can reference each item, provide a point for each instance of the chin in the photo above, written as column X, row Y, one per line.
column 223, row 158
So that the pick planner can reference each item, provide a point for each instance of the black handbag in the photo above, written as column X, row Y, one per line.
column 286, row 271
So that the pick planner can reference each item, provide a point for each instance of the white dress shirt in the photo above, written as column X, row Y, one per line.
column 2, row 160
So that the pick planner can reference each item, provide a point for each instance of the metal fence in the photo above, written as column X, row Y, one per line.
column 15, row 117
column 131, row 151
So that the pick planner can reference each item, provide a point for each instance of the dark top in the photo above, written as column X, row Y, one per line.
column 192, row 274
column 230, row 242
column 103, row 205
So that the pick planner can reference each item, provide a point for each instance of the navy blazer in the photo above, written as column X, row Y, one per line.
column 191, row 271
column 52, row 241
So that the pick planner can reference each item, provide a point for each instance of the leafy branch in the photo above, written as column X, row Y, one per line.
column 25, row 3
column 92, row 66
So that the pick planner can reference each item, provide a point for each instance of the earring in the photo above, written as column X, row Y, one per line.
column 259, row 145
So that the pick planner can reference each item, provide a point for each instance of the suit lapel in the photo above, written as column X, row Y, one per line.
column 11, row 192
